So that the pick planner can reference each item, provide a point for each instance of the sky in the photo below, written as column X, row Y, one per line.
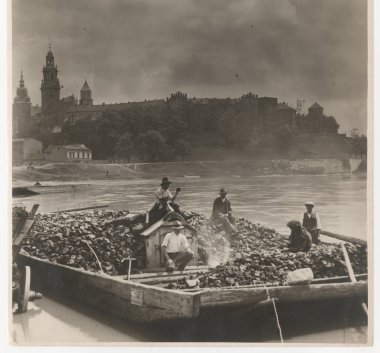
column 131, row 50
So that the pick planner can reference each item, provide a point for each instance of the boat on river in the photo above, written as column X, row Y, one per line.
column 143, row 297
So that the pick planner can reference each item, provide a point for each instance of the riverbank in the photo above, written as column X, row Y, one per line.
column 236, row 169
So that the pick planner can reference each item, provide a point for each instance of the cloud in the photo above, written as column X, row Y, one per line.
column 137, row 49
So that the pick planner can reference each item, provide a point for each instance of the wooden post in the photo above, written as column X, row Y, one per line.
column 344, row 238
column 351, row 273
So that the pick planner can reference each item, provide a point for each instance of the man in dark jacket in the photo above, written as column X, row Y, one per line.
column 311, row 221
column 299, row 239
column 222, row 212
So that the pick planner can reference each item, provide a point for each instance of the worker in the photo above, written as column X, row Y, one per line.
column 176, row 249
column 164, row 201
column 311, row 221
column 299, row 239
column 222, row 212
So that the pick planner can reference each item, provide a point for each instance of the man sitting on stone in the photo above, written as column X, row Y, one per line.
column 311, row 221
column 164, row 201
column 176, row 249
column 299, row 239
column 222, row 212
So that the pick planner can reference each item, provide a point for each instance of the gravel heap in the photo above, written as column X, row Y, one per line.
column 257, row 256
column 252, row 254
column 67, row 238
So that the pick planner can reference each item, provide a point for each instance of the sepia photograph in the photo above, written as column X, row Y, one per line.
column 190, row 172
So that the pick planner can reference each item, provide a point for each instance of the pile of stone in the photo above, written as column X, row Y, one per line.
column 252, row 254
column 92, row 240
column 258, row 256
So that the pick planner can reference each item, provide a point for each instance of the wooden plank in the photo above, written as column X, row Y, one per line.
column 184, row 304
column 27, row 226
column 81, row 209
column 163, row 273
column 337, row 279
column 236, row 297
column 352, row 274
column 344, row 238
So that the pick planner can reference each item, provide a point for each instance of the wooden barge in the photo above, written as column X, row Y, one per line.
column 142, row 298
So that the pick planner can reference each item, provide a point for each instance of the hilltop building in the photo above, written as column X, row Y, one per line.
column 266, row 113
column 50, row 86
column 21, row 110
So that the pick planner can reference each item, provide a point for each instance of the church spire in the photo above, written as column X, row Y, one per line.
column 50, row 86
column 85, row 94
column 22, row 83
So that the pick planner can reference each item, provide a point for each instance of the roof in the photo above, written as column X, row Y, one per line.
column 85, row 87
column 316, row 106
column 166, row 220
column 18, row 140
column 67, row 147
column 283, row 106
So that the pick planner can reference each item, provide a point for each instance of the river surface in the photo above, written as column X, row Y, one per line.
column 271, row 200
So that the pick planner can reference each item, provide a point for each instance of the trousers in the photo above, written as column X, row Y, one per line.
column 181, row 259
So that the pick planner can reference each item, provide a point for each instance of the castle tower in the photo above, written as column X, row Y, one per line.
column 50, row 87
column 21, row 110
column 85, row 95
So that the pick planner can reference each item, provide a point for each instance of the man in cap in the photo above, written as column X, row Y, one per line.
column 164, row 201
column 311, row 221
column 176, row 249
column 299, row 239
column 222, row 212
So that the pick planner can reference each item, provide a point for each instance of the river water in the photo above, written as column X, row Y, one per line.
column 271, row 200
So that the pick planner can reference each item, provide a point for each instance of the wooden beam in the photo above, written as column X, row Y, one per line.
column 81, row 209
column 344, row 238
column 73, row 279
column 351, row 274
column 237, row 297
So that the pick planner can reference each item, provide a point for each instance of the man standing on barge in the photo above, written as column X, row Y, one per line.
column 311, row 221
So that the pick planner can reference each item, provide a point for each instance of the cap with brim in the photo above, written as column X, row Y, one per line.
column 178, row 225
column 309, row 203
column 222, row 191
column 165, row 180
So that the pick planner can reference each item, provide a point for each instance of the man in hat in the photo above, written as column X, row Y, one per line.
column 164, row 201
column 222, row 212
column 311, row 221
column 176, row 249
column 299, row 239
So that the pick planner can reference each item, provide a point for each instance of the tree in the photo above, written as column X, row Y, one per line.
column 150, row 145
column 183, row 148
column 359, row 144
column 235, row 128
column 124, row 146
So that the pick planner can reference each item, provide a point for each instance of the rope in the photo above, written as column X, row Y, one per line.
column 275, row 312
column 97, row 259
column 278, row 321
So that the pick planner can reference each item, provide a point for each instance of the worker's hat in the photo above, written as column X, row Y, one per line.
column 309, row 203
column 165, row 180
column 223, row 191
column 178, row 225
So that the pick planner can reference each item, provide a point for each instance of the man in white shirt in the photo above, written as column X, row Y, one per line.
column 176, row 249
column 311, row 222
column 164, row 201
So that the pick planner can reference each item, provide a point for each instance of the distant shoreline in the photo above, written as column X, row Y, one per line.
column 67, row 172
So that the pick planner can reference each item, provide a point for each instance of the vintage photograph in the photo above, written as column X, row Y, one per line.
column 190, row 171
